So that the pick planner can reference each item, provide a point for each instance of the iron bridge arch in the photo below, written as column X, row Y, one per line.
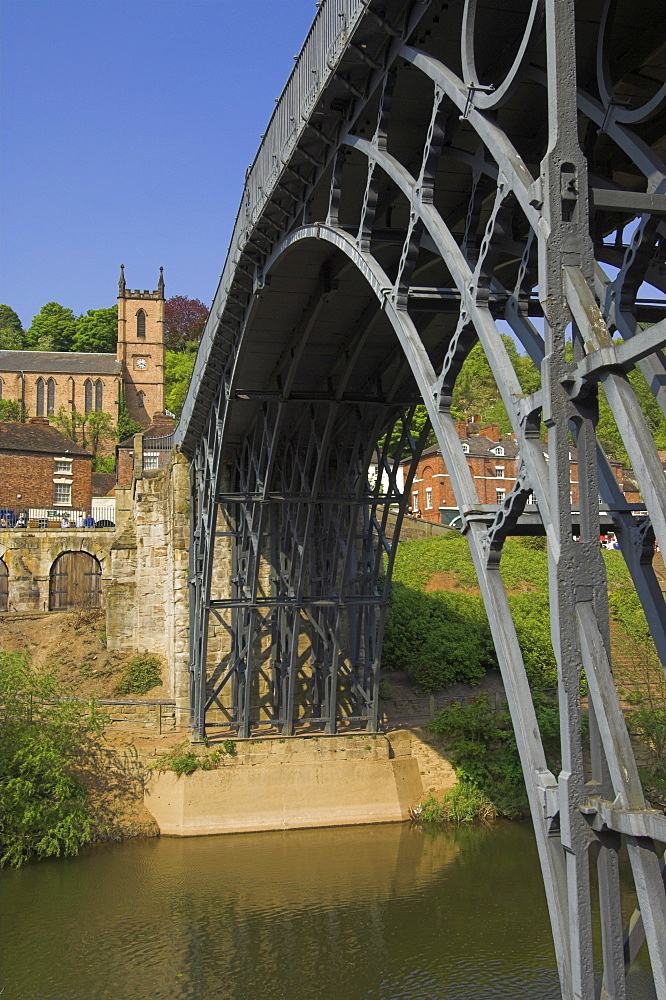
column 434, row 175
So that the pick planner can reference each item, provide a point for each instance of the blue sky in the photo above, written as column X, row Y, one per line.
column 126, row 129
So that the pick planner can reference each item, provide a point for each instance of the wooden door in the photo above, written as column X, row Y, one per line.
column 76, row 582
column 4, row 586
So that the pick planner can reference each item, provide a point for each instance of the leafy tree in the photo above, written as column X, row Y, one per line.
column 89, row 429
column 11, row 330
column 178, row 372
column 184, row 320
column 43, row 809
column 97, row 331
column 126, row 427
column 104, row 463
column 10, row 409
column 68, row 423
column 96, row 427
column 52, row 329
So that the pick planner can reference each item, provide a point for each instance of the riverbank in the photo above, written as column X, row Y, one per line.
column 321, row 781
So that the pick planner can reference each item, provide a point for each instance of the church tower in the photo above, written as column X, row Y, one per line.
column 141, row 348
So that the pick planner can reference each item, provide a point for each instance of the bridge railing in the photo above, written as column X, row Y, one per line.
column 332, row 26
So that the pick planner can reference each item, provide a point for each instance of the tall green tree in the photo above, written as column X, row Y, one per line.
column 126, row 426
column 178, row 372
column 11, row 330
column 52, row 329
column 97, row 331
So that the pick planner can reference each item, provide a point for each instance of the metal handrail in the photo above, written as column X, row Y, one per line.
column 315, row 65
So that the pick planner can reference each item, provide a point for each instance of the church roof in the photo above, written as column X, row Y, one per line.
column 68, row 363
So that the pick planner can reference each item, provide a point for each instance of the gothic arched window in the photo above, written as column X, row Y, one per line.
column 87, row 388
column 40, row 397
column 98, row 394
column 50, row 397
column 139, row 400
column 141, row 323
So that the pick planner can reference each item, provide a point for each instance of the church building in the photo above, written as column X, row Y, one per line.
column 45, row 381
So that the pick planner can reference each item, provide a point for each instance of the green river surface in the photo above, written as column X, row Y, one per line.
column 388, row 912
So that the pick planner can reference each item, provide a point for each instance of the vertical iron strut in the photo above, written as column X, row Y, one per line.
column 427, row 170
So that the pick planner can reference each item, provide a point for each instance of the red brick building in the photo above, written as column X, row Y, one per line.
column 493, row 461
column 42, row 469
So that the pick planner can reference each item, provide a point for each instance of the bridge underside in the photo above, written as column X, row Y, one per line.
column 451, row 175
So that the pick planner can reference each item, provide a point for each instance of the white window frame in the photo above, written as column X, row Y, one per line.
column 499, row 450
column 499, row 472
column 59, row 502
column 428, row 498
column 63, row 466
column 500, row 497
column 154, row 456
column 415, row 500
column 465, row 448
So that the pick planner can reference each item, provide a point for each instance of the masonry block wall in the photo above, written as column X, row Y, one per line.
column 147, row 589
column 141, row 350
column 29, row 556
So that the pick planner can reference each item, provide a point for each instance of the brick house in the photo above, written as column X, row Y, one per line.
column 46, row 381
column 41, row 468
column 493, row 461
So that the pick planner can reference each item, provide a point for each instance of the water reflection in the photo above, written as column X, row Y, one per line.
column 381, row 912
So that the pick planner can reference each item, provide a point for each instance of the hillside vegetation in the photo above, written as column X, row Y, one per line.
column 437, row 628
column 437, row 631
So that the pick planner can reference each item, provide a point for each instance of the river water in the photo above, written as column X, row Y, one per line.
column 383, row 912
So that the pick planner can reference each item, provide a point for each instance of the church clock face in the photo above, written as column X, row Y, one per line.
column 140, row 363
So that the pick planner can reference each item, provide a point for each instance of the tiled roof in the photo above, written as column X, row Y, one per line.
column 103, row 483
column 37, row 437
column 52, row 362
column 480, row 447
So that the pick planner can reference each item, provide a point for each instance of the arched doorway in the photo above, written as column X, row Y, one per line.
column 4, row 586
column 75, row 582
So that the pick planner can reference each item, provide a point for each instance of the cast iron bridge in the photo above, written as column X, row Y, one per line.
column 433, row 169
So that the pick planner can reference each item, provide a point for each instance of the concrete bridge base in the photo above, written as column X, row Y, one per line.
column 281, row 785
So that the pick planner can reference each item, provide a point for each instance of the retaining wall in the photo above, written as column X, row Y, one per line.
column 278, row 784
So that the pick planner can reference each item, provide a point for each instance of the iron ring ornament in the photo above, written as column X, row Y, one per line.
column 615, row 108
column 493, row 95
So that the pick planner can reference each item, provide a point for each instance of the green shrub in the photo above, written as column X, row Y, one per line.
column 186, row 759
column 483, row 752
column 43, row 810
column 141, row 674
column 464, row 803
column 531, row 617
column 437, row 638
column 386, row 692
